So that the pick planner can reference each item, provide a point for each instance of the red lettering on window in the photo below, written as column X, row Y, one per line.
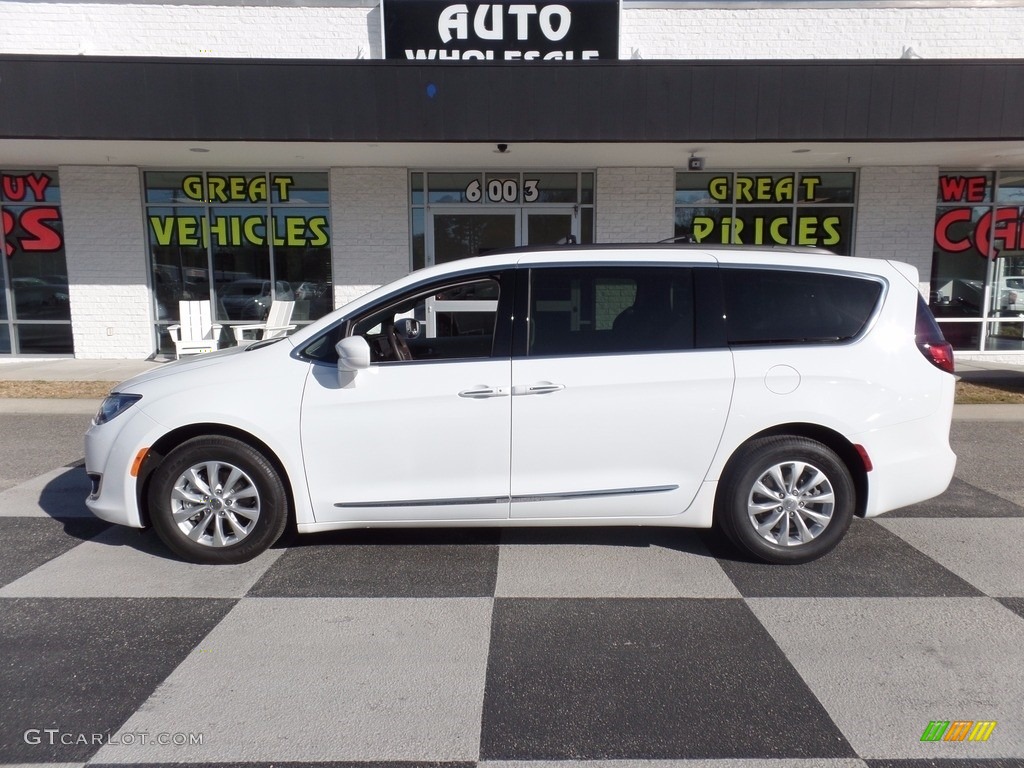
column 943, row 225
column 38, row 182
column 962, row 189
column 8, row 222
column 14, row 187
column 41, row 236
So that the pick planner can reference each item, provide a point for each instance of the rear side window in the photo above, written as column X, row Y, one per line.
column 767, row 306
column 610, row 310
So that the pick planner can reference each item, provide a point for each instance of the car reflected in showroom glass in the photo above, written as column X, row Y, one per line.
column 775, row 395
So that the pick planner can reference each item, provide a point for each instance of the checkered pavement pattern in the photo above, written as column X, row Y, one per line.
column 523, row 648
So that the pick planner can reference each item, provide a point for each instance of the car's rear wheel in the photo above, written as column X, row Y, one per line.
column 217, row 500
column 786, row 499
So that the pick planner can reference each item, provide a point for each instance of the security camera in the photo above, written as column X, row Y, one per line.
column 503, row 148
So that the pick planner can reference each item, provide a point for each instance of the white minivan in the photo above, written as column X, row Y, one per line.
column 774, row 394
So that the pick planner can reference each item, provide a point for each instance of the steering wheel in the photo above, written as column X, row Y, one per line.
column 398, row 344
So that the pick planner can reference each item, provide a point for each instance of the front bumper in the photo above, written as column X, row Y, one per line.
column 110, row 450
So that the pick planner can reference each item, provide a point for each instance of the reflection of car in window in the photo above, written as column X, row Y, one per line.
column 250, row 299
column 35, row 297
column 1011, row 294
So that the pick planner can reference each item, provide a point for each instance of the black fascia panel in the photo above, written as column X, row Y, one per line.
column 599, row 101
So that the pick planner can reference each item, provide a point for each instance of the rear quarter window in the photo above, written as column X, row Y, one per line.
column 777, row 306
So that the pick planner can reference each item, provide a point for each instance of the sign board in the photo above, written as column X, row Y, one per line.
column 439, row 30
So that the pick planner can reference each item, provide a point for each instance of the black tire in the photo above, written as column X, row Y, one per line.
column 234, row 525
column 798, row 528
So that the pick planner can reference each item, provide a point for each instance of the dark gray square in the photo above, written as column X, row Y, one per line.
column 31, row 541
column 84, row 666
column 385, row 563
column 869, row 562
column 1015, row 604
column 577, row 679
column 961, row 499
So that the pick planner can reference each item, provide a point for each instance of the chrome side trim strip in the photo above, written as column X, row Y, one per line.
column 424, row 502
column 595, row 494
column 506, row 499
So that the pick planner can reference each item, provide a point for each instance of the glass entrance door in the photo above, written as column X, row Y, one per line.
column 550, row 227
column 459, row 234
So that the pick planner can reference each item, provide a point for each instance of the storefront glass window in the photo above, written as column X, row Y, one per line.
column 416, row 188
column 35, row 315
column 977, row 280
column 299, row 189
column 240, row 240
column 419, row 243
column 302, row 262
column 587, row 190
column 452, row 187
column 767, row 208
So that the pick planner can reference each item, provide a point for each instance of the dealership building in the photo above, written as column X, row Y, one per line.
column 309, row 150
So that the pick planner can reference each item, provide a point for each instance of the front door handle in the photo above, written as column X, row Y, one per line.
column 540, row 388
column 482, row 391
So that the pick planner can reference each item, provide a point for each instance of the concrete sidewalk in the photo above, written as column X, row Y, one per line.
column 70, row 369
column 65, row 369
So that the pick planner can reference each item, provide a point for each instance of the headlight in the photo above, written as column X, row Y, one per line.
column 114, row 404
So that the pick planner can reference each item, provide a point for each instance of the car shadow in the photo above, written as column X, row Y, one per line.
column 684, row 540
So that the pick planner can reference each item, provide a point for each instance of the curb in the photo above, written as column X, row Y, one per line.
column 42, row 405
column 991, row 412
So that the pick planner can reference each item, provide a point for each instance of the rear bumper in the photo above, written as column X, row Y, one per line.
column 913, row 461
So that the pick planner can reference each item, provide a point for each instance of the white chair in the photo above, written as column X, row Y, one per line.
column 277, row 323
column 195, row 332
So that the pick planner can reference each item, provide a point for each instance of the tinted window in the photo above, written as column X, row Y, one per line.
column 592, row 310
column 765, row 306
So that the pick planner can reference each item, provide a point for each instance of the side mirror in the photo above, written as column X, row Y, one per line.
column 353, row 355
column 407, row 328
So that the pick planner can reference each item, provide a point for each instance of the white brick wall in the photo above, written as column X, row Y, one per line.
column 334, row 32
column 635, row 205
column 369, row 229
column 106, row 253
column 821, row 33
column 115, row 29
column 895, row 216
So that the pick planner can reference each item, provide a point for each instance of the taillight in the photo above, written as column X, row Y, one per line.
column 930, row 341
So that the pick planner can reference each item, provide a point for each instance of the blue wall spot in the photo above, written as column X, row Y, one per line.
column 431, row 90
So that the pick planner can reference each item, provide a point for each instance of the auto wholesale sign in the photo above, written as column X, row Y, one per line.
column 438, row 30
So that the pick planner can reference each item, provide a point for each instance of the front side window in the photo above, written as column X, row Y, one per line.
column 765, row 306
column 610, row 310
column 453, row 320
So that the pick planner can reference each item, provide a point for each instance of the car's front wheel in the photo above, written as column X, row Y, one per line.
column 217, row 500
column 786, row 499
